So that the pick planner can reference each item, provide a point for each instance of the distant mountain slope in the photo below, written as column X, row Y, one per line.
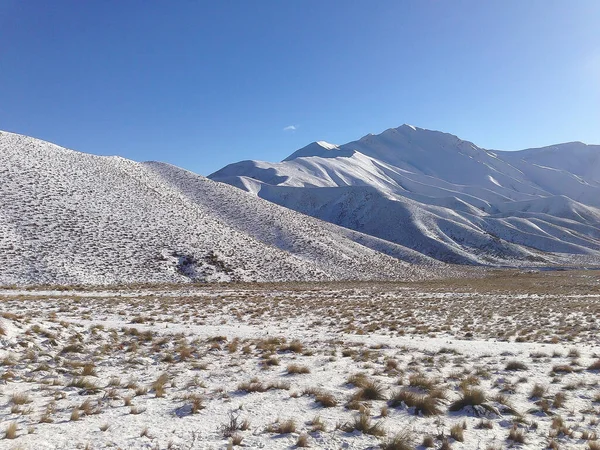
column 68, row 217
column 442, row 196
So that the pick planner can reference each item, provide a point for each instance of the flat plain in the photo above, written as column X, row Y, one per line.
column 507, row 359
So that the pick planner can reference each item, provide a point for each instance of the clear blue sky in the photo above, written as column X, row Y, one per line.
column 202, row 84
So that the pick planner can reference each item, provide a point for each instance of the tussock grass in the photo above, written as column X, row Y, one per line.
column 423, row 404
column 516, row 435
column 457, row 432
column 159, row 385
column 537, row 391
column 469, row 397
column 428, row 442
column 401, row 441
column 370, row 390
column 422, row 382
column 562, row 368
column 85, row 384
column 11, row 431
column 302, row 440
column 325, row 399
column 357, row 379
column 20, row 399
column 293, row 369
column 317, row 424
column 515, row 366
column 286, row 427
column 362, row 422
column 255, row 385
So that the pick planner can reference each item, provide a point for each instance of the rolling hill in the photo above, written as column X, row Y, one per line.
column 72, row 218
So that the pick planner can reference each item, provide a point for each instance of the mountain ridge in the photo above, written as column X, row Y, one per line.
column 431, row 181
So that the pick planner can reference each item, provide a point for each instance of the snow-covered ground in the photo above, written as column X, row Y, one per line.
column 270, row 365
column 442, row 196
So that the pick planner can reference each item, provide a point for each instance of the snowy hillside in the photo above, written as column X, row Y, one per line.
column 68, row 217
column 443, row 197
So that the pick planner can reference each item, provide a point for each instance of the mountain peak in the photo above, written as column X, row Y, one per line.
column 322, row 149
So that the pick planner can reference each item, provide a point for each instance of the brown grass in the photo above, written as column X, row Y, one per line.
column 11, row 431
column 293, row 369
column 362, row 422
column 401, row 441
column 469, row 397
column 423, row 404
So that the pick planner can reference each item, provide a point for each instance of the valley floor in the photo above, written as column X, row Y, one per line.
column 508, row 360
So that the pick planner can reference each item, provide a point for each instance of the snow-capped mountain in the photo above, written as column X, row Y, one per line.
column 68, row 217
column 442, row 196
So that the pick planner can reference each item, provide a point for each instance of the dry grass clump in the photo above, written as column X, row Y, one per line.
column 595, row 365
column 420, row 381
column 295, row 347
column 11, row 431
column 593, row 445
column 457, row 432
column 234, row 425
column 538, row 391
column 75, row 415
column 428, row 442
column 469, row 397
column 516, row 435
column 20, row 399
column 559, row 400
column 89, row 369
column 560, row 428
column 588, row 435
column 286, row 427
column 401, row 441
column 236, row 439
column 370, row 390
column 255, row 385
column 427, row 405
column 325, row 399
column 197, row 402
column 485, row 425
column 85, row 384
column 362, row 422
column 72, row 348
column 357, row 379
column 302, row 440
column 159, row 385
column 317, row 424
column 270, row 361
column 136, row 410
column 562, row 368
column 293, row 369
column 515, row 366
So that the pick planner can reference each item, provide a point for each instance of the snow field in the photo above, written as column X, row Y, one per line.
column 474, row 363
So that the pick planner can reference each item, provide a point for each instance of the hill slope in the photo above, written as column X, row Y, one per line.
column 442, row 196
column 68, row 217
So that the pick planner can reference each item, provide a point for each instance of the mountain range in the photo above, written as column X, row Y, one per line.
column 444, row 197
column 406, row 204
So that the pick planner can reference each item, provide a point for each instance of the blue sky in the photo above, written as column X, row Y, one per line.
column 202, row 84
